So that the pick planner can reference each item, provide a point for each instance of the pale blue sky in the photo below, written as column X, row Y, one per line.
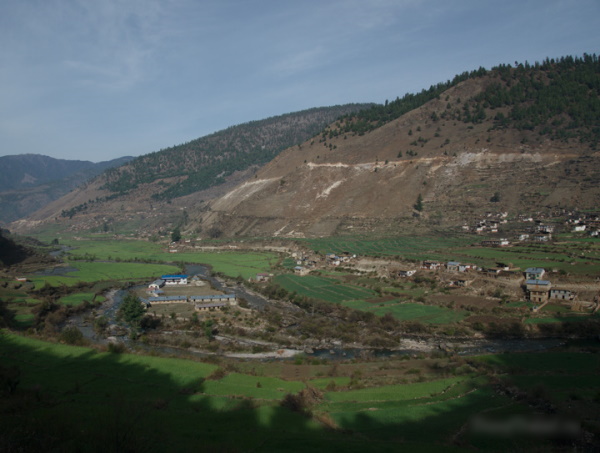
column 100, row 79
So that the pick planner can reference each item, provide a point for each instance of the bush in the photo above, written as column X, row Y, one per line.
column 72, row 335
column 116, row 348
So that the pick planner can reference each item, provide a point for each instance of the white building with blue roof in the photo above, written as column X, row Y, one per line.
column 179, row 279
column 534, row 273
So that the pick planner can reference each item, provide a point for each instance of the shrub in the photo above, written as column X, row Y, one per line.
column 116, row 348
column 72, row 335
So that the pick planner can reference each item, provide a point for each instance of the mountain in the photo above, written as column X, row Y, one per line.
column 20, row 253
column 150, row 192
column 516, row 139
column 30, row 181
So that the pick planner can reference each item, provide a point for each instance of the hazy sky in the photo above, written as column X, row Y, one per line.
column 99, row 79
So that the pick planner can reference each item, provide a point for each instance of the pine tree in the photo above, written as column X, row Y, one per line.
column 419, row 204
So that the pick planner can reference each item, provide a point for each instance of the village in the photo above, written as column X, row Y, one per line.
column 532, row 284
column 536, row 285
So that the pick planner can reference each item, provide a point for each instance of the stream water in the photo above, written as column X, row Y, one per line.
column 412, row 347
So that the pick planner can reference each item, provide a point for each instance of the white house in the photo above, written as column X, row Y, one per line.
column 562, row 294
column 156, row 284
column 175, row 279
column 407, row 273
column 534, row 273
column 452, row 265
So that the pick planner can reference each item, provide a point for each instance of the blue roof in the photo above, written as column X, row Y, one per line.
column 165, row 277
column 214, row 304
column 453, row 263
column 213, row 296
column 535, row 270
column 537, row 282
column 167, row 299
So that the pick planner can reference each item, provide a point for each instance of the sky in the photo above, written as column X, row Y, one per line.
column 97, row 80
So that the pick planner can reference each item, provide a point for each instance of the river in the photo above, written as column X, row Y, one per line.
column 463, row 347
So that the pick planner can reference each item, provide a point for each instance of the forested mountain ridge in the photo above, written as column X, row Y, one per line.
column 207, row 161
column 557, row 97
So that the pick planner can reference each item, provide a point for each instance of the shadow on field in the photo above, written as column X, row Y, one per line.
column 62, row 398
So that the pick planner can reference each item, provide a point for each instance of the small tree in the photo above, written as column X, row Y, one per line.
column 419, row 204
column 495, row 198
column 72, row 335
column 131, row 310
column 176, row 235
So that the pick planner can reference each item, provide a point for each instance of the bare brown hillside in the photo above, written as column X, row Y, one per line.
column 520, row 140
column 370, row 183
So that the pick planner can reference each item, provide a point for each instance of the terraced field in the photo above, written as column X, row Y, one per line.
column 406, row 311
column 175, row 404
column 407, row 247
column 323, row 288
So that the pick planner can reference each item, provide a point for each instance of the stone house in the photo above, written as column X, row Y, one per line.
column 538, row 290
column 562, row 294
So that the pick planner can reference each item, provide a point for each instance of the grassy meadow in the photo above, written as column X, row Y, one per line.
column 90, row 272
column 323, row 288
column 407, row 311
column 77, row 398
column 229, row 263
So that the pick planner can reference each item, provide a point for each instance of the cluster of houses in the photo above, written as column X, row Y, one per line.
column 201, row 303
column 585, row 223
column 451, row 266
column 488, row 225
column 304, row 264
column 538, row 289
column 541, row 232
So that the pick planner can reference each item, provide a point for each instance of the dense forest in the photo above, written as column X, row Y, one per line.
column 559, row 98
column 207, row 161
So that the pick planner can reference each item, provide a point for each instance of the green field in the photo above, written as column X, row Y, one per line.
column 406, row 311
column 356, row 297
column 323, row 288
column 76, row 398
column 76, row 299
column 101, row 271
column 408, row 247
column 557, row 319
column 567, row 379
column 565, row 255
column 232, row 264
